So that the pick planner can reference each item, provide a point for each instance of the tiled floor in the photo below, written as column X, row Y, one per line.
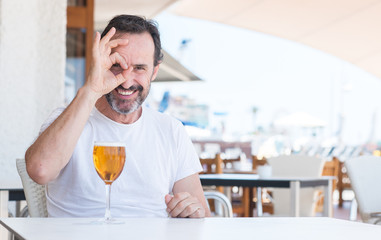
column 344, row 212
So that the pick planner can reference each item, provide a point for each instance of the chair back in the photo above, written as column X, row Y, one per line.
column 331, row 168
column 295, row 166
column 212, row 165
column 364, row 173
column 258, row 162
column 231, row 163
column 34, row 192
column 222, row 205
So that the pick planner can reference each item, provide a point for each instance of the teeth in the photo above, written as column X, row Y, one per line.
column 125, row 93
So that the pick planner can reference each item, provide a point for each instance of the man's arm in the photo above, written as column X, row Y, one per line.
column 188, row 199
column 52, row 150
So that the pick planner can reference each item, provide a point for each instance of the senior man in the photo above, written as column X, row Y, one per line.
column 160, row 176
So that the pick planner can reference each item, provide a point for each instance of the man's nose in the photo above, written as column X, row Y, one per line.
column 129, row 76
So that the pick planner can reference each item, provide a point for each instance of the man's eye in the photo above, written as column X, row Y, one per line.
column 116, row 65
column 139, row 68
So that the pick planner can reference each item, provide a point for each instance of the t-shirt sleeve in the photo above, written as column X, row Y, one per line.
column 52, row 117
column 189, row 162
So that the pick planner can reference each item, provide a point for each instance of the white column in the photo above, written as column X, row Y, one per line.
column 3, row 212
column 32, row 72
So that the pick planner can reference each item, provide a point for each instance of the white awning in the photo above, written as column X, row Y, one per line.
column 172, row 70
column 348, row 29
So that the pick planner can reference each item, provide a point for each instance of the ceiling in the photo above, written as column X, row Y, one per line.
column 105, row 10
column 348, row 29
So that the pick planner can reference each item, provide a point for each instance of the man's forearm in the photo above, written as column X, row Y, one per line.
column 53, row 148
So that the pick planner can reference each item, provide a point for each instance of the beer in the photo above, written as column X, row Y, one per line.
column 109, row 160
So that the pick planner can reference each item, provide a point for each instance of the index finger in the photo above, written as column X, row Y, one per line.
column 108, row 35
column 96, row 43
column 116, row 42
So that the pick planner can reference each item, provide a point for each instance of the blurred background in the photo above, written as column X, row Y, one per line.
column 266, row 77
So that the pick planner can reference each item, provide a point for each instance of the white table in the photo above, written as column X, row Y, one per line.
column 195, row 229
column 294, row 184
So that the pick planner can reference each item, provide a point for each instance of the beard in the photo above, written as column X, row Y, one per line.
column 126, row 106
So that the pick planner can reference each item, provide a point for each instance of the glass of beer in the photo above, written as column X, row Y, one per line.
column 109, row 158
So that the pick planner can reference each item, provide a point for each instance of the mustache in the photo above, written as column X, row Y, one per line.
column 132, row 88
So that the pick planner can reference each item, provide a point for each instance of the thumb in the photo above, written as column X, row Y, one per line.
column 168, row 198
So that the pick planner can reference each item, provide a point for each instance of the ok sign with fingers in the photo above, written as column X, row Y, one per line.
column 101, row 80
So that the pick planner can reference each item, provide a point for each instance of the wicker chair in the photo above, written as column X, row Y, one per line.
column 34, row 193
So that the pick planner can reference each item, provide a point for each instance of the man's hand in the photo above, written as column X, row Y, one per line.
column 101, row 80
column 184, row 205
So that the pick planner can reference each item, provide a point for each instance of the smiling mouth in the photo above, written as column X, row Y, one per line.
column 125, row 92
column 129, row 91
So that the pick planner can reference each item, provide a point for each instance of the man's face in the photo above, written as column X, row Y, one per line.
column 139, row 54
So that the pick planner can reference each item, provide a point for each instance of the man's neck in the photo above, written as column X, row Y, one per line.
column 105, row 108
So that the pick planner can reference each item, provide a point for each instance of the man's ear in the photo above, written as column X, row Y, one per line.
column 154, row 73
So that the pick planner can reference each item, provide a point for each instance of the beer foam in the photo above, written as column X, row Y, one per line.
column 110, row 144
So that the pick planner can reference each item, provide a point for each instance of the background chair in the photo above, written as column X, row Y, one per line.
column 258, row 162
column 364, row 173
column 219, row 199
column 239, row 196
column 216, row 165
column 330, row 169
column 343, row 183
column 267, row 204
column 212, row 164
column 34, row 193
column 295, row 166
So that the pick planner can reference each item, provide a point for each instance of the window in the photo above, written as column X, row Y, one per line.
column 79, row 36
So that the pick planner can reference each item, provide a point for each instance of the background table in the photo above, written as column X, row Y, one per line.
column 10, row 190
column 195, row 229
column 252, row 180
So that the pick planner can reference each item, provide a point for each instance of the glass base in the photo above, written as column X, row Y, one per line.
column 110, row 221
column 102, row 221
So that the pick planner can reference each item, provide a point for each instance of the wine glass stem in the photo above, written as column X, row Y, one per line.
column 108, row 194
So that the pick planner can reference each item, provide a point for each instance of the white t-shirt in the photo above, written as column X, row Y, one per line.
column 158, row 153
